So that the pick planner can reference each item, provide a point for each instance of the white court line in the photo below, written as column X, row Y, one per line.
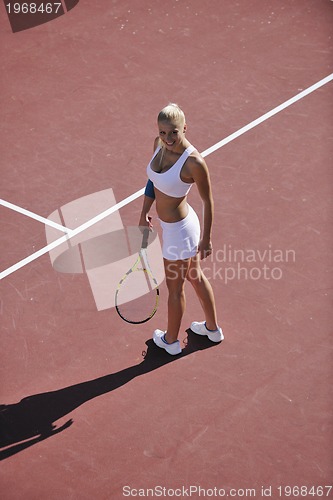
column 139, row 193
column 271, row 113
column 23, row 211
column 64, row 6
column 72, row 233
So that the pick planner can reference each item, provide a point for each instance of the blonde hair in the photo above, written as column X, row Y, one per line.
column 171, row 112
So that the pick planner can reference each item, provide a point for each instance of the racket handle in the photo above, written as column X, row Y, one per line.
column 145, row 237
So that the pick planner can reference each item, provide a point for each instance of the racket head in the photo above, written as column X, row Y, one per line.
column 137, row 295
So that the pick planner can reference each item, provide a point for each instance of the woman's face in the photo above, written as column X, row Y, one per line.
column 171, row 133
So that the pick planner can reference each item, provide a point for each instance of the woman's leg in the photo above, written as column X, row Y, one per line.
column 175, row 273
column 204, row 292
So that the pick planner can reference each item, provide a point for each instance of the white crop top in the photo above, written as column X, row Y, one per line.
column 169, row 182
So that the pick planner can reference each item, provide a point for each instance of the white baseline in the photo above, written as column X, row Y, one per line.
column 32, row 215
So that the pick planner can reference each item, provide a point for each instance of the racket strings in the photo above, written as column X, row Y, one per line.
column 136, row 297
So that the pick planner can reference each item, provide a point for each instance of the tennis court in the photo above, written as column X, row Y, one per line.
column 89, row 407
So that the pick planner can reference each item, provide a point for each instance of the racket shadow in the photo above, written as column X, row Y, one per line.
column 32, row 420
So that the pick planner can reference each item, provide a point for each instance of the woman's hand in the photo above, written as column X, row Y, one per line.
column 205, row 248
column 145, row 221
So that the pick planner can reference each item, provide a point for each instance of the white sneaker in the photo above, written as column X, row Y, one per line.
column 160, row 341
column 199, row 327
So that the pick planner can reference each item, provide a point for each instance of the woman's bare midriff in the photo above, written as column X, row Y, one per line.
column 170, row 209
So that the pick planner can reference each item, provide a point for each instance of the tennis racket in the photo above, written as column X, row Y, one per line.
column 137, row 294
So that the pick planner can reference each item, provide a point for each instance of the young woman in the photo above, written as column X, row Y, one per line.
column 175, row 166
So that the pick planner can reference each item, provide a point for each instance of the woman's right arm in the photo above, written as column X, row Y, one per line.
column 148, row 200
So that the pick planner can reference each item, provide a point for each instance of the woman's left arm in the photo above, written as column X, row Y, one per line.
column 200, row 175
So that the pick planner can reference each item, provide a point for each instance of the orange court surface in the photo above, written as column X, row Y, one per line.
column 90, row 408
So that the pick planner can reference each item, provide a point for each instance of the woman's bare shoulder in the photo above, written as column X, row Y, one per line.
column 195, row 160
column 156, row 141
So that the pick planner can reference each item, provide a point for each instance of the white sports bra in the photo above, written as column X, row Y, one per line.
column 169, row 182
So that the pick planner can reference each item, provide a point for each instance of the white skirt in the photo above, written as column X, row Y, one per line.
column 181, row 238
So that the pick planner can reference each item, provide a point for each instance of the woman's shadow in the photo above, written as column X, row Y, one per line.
column 32, row 419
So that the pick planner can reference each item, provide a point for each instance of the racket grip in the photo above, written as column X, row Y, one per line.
column 144, row 243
